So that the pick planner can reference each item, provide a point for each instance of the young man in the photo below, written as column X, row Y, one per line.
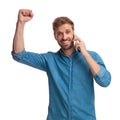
column 71, row 70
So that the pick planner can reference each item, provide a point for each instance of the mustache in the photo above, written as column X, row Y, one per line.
column 68, row 40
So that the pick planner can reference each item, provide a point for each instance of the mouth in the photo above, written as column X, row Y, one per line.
column 65, row 42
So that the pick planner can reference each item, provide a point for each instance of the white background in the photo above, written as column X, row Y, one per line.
column 24, row 90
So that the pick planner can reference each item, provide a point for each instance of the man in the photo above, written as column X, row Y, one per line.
column 71, row 70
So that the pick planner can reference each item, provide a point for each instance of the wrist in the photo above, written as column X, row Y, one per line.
column 85, row 54
column 20, row 23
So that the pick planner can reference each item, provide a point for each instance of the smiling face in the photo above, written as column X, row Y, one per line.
column 64, row 35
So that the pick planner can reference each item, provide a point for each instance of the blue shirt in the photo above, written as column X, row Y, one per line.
column 71, row 83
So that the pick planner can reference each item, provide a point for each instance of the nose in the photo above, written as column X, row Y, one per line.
column 64, row 36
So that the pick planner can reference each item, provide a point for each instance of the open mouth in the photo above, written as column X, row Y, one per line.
column 65, row 42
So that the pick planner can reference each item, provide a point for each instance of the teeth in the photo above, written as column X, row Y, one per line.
column 65, row 42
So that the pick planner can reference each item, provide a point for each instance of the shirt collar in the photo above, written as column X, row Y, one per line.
column 75, row 52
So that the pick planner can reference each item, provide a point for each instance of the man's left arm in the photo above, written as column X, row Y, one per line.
column 101, row 75
column 96, row 65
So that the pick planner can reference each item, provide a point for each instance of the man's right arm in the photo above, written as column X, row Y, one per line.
column 18, row 41
column 24, row 16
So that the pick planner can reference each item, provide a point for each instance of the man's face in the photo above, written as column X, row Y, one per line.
column 64, row 36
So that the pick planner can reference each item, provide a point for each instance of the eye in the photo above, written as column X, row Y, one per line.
column 68, row 31
column 59, row 33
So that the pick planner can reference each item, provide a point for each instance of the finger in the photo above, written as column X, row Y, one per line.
column 77, row 47
column 76, row 38
column 26, row 12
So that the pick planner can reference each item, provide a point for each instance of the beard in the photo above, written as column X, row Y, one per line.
column 67, row 47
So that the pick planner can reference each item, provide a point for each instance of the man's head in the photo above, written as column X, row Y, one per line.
column 63, row 29
column 60, row 21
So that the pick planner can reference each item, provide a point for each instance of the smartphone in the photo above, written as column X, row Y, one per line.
column 74, row 39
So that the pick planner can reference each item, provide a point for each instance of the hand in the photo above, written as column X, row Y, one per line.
column 79, row 44
column 25, row 15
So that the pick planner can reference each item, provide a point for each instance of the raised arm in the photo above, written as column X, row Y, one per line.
column 24, row 15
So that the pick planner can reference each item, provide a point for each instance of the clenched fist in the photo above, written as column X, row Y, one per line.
column 25, row 15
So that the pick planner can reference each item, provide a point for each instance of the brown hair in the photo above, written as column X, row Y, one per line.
column 60, row 21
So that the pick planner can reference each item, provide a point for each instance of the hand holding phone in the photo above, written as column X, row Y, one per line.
column 79, row 44
column 76, row 41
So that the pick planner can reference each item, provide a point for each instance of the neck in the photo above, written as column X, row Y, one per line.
column 68, row 52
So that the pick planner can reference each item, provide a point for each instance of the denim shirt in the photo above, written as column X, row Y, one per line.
column 71, row 83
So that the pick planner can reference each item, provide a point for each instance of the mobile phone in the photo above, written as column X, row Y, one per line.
column 74, row 39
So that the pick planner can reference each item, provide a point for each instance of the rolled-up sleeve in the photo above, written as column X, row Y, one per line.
column 32, row 59
column 103, row 78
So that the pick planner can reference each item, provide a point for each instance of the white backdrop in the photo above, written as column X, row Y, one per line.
column 24, row 90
